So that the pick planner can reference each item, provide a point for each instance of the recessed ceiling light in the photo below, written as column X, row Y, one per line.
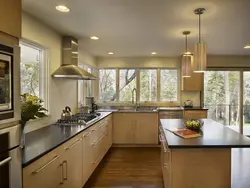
column 94, row 38
column 153, row 53
column 111, row 53
column 62, row 8
column 247, row 47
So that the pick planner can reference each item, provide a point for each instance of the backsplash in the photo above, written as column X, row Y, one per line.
column 191, row 95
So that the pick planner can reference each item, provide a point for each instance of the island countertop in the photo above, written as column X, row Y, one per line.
column 214, row 135
column 44, row 140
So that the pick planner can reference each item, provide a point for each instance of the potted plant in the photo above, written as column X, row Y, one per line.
column 31, row 108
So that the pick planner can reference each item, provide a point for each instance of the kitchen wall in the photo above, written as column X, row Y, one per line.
column 191, row 95
column 61, row 92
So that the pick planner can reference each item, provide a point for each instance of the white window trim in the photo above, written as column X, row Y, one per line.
column 117, row 102
column 44, row 83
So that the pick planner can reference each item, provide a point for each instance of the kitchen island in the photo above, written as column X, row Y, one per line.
column 198, row 162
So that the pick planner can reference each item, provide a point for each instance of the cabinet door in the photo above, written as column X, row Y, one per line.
column 193, row 83
column 10, row 17
column 146, row 128
column 45, row 172
column 195, row 114
column 110, row 135
column 87, row 155
column 72, row 163
column 124, row 128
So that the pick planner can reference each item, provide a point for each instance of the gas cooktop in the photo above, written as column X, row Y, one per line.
column 80, row 119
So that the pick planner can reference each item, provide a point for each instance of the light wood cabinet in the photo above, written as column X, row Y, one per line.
column 10, row 17
column 193, row 83
column 195, row 114
column 72, row 163
column 45, row 172
column 135, row 128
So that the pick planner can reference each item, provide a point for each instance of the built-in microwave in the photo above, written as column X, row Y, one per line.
column 6, row 82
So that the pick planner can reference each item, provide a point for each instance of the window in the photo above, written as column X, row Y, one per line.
column 33, row 71
column 107, row 85
column 221, row 96
column 127, row 82
column 148, row 85
column 169, row 85
column 85, row 87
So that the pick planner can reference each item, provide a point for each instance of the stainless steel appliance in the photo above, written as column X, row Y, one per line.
column 10, row 158
column 81, row 119
column 90, row 102
column 6, row 82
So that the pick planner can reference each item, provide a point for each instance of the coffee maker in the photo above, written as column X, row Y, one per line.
column 90, row 102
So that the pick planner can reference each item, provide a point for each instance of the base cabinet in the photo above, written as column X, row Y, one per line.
column 71, row 164
column 135, row 128
column 195, row 114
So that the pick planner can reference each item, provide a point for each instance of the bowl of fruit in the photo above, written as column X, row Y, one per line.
column 193, row 124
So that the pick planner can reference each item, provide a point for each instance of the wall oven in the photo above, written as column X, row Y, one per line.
column 6, row 82
column 10, row 158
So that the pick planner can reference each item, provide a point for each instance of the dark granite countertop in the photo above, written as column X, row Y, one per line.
column 214, row 135
column 42, row 141
column 195, row 108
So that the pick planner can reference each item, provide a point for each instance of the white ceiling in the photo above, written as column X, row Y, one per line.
column 138, row 27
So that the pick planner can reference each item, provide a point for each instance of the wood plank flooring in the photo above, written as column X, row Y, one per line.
column 140, row 168
column 128, row 168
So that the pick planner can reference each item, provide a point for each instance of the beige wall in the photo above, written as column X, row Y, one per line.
column 61, row 92
column 228, row 61
column 149, row 62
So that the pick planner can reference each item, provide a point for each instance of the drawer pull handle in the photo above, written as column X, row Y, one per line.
column 86, row 135
column 66, row 163
column 5, row 161
column 61, row 165
column 98, row 140
column 44, row 166
column 68, row 148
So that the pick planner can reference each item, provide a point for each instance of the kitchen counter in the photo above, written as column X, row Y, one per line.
column 214, row 135
column 44, row 140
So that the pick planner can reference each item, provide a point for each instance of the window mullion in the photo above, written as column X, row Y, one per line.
column 138, row 85
column 117, row 85
column 158, row 85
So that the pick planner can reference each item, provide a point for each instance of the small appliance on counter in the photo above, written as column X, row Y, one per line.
column 66, row 113
column 90, row 102
column 188, row 104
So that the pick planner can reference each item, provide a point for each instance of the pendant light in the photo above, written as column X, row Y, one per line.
column 200, row 51
column 186, row 59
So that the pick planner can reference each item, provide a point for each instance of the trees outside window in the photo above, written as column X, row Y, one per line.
column 148, row 85
column 127, row 82
column 221, row 96
column 107, row 85
column 33, row 70
column 169, row 85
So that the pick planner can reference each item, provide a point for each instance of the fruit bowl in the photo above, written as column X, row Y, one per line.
column 193, row 124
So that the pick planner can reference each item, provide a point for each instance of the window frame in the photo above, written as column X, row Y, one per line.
column 44, row 82
column 117, row 102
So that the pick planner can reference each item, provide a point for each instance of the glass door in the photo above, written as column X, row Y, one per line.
column 246, row 103
column 222, row 96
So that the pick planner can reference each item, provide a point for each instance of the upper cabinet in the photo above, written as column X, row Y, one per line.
column 10, row 17
column 193, row 83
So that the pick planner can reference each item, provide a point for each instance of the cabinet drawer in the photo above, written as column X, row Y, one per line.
column 196, row 114
column 171, row 114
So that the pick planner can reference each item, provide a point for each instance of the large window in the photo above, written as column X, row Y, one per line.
column 148, row 85
column 127, row 82
column 33, row 69
column 107, row 85
column 221, row 96
column 169, row 85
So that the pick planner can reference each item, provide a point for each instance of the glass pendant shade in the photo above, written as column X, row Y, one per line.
column 200, row 57
column 186, row 66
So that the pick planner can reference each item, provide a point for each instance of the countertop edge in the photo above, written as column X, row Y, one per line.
column 62, row 142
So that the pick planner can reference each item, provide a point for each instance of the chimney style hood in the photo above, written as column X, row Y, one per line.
column 69, row 68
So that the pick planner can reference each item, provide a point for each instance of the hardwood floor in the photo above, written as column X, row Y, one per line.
column 128, row 168
column 140, row 168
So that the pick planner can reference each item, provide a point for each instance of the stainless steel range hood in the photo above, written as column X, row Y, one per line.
column 69, row 68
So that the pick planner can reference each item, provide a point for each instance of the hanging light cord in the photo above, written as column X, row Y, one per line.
column 199, row 27
column 186, row 43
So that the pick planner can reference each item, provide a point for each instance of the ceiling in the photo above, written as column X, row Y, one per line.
column 139, row 27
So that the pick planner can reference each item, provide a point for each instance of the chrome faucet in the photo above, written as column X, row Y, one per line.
column 134, row 90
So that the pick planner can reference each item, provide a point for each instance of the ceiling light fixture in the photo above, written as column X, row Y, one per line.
column 94, row 38
column 62, row 8
column 200, row 52
column 186, row 58
column 111, row 53
column 247, row 47
column 153, row 53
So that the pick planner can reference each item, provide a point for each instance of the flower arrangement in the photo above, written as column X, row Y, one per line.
column 31, row 108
